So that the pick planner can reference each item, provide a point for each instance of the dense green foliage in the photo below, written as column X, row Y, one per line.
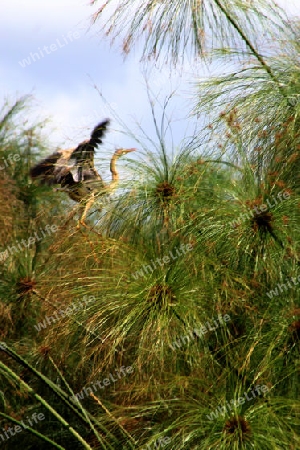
column 184, row 291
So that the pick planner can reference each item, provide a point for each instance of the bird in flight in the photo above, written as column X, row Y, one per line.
column 74, row 170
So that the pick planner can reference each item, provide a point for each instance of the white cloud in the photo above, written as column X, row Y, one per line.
column 292, row 7
column 40, row 16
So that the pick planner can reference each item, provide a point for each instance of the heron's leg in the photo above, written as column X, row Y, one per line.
column 88, row 205
column 61, row 189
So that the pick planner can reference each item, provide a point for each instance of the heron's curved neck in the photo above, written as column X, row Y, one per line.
column 114, row 173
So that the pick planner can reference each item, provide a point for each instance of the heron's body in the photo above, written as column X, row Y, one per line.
column 74, row 169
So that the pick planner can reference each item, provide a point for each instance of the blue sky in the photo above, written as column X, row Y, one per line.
column 76, row 58
column 62, row 80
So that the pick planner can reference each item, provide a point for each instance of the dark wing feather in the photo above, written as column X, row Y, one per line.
column 51, row 170
column 84, row 155
column 98, row 132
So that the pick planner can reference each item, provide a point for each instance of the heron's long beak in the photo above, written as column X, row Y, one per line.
column 128, row 150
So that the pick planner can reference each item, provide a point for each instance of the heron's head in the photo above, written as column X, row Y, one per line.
column 123, row 151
